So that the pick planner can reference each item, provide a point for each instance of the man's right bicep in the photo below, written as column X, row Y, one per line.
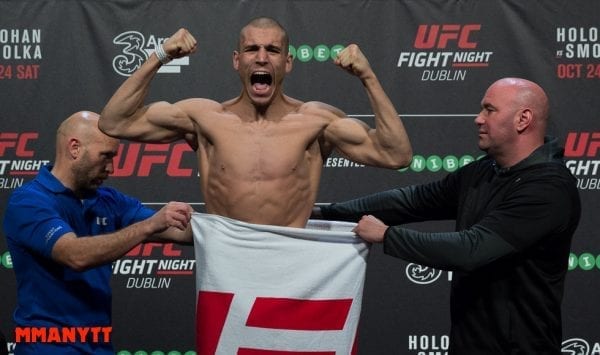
column 172, row 121
column 159, row 122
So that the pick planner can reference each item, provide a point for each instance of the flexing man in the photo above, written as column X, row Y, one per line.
column 260, row 154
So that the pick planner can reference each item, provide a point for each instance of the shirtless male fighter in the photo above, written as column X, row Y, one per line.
column 261, row 153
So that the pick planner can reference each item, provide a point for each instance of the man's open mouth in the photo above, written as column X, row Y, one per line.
column 261, row 80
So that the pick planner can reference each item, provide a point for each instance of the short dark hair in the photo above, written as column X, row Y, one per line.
column 267, row 22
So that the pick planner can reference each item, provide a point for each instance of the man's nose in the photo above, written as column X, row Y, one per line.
column 478, row 119
column 261, row 55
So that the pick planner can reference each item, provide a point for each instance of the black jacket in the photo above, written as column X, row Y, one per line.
column 509, row 253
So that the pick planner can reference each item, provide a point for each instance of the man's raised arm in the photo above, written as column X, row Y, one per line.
column 126, row 116
column 388, row 144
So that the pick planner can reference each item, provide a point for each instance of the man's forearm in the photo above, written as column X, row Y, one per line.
column 84, row 252
column 173, row 235
column 392, row 207
column 390, row 132
column 463, row 251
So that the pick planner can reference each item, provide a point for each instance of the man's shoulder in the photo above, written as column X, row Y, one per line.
column 201, row 105
column 321, row 110
column 30, row 190
column 314, row 105
column 551, row 173
column 199, row 101
column 205, row 112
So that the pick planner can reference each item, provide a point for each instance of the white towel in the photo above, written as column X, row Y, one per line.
column 266, row 289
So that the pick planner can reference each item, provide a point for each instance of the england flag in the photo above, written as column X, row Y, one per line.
column 274, row 290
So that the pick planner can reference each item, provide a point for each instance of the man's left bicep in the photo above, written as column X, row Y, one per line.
column 355, row 140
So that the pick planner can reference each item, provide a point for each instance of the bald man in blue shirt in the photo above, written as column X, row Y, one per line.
column 63, row 231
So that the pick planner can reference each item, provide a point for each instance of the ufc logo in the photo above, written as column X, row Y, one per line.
column 145, row 156
column 438, row 36
column 18, row 142
column 582, row 144
column 146, row 249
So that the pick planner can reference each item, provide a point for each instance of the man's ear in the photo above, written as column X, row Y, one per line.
column 236, row 60
column 524, row 119
column 288, row 63
column 74, row 148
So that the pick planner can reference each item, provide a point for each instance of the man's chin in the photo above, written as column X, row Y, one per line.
column 483, row 145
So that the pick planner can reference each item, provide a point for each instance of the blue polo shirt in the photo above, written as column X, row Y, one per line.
column 50, row 294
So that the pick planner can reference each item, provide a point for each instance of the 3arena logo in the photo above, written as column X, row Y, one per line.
column 440, row 63
column 586, row 147
column 423, row 275
column 135, row 50
column 578, row 346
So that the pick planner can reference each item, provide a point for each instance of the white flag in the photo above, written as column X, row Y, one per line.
column 277, row 290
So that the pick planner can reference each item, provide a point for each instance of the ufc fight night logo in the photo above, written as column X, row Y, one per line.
column 137, row 159
column 17, row 145
column 581, row 153
column 152, row 265
column 445, row 51
column 582, row 144
column 17, row 142
column 439, row 36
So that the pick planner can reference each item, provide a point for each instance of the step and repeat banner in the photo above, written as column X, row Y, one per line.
column 434, row 58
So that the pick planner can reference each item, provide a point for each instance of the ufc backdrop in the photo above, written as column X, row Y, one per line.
column 434, row 58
